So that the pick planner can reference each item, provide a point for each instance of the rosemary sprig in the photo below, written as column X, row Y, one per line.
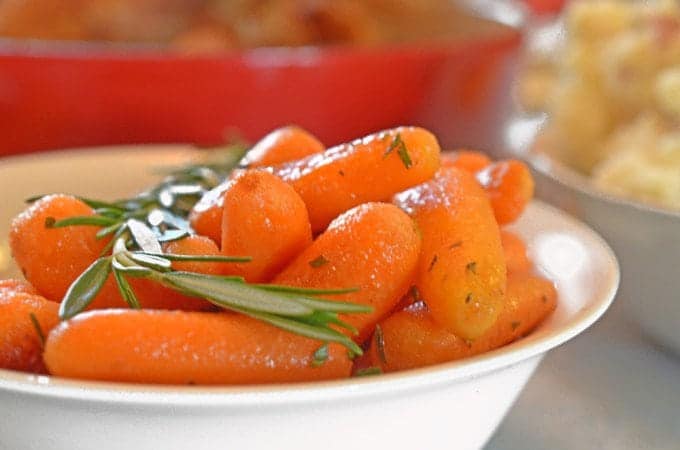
column 164, row 208
column 297, row 310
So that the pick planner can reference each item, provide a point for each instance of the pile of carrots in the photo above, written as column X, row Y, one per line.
column 419, row 233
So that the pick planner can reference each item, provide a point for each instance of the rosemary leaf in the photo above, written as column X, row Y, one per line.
column 320, row 356
column 333, row 306
column 306, row 291
column 106, row 231
column 143, row 236
column 126, row 290
column 228, row 294
column 38, row 329
column 131, row 269
column 368, row 371
column 153, row 262
column 85, row 288
column 172, row 235
column 99, row 221
column 198, row 258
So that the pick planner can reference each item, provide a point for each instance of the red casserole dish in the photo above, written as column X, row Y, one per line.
column 56, row 95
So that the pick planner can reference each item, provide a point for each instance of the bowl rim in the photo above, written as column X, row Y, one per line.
column 426, row 378
column 561, row 173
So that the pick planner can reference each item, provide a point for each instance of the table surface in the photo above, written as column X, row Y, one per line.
column 610, row 388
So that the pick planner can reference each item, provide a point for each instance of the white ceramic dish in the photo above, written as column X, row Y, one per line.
column 646, row 238
column 454, row 405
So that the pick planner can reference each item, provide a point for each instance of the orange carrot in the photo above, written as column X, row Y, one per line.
column 264, row 218
column 369, row 169
column 174, row 347
column 411, row 338
column 206, row 215
column 461, row 273
column 282, row 145
column 470, row 161
column 516, row 258
column 510, row 188
column 20, row 341
column 373, row 247
column 52, row 258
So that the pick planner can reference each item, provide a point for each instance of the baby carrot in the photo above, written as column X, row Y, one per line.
column 516, row 258
column 282, row 145
column 206, row 215
column 411, row 338
column 369, row 169
column 461, row 273
column 175, row 347
column 470, row 161
column 373, row 247
column 264, row 218
column 23, row 317
column 52, row 258
column 510, row 187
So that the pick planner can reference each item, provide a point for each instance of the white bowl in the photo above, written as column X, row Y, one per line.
column 453, row 405
column 646, row 238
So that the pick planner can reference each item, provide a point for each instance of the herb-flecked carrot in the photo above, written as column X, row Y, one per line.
column 264, row 218
column 52, row 258
column 25, row 319
column 510, row 187
column 411, row 338
column 282, row 145
column 462, row 272
column 176, row 347
column 365, row 170
column 373, row 247
column 470, row 161
column 516, row 258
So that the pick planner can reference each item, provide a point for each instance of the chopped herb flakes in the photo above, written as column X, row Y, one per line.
column 320, row 356
column 399, row 145
column 38, row 329
column 318, row 261
column 471, row 267
column 468, row 298
column 380, row 343
column 368, row 371
column 432, row 263
column 514, row 325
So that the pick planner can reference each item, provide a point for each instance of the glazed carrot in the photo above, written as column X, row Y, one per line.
column 13, row 286
column 174, row 347
column 52, row 258
column 154, row 296
column 461, row 273
column 282, row 145
column 411, row 338
column 374, row 247
column 20, row 343
column 206, row 215
column 264, row 218
column 369, row 169
column 516, row 258
column 510, row 187
column 470, row 161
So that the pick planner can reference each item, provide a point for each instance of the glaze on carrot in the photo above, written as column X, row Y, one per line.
column 282, row 145
column 373, row 247
column 20, row 342
column 412, row 338
column 263, row 218
column 461, row 272
column 52, row 258
column 470, row 161
column 174, row 347
column 510, row 187
column 365, row 170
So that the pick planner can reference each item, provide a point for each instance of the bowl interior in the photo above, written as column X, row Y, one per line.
column 580, row 263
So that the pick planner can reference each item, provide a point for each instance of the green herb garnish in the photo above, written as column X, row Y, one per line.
column 368, row 371
column 318, row 261
column 399, row 145
column 38, row 329
column 380, row 343
column 320, row 356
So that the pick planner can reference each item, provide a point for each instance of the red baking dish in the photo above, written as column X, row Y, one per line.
column 57, row 95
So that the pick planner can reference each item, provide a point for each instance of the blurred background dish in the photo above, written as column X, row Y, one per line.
column 144, row 84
